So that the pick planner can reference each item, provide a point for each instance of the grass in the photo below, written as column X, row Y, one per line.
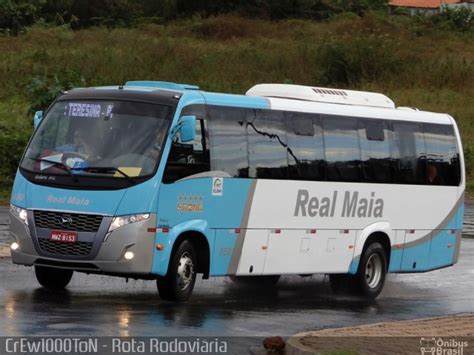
column 413, row 63
column 5, row 197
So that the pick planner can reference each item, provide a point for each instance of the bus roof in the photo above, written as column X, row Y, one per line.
column 294, row 98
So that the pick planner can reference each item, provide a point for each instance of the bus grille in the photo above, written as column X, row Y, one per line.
column 76, row 249
column 75, row 222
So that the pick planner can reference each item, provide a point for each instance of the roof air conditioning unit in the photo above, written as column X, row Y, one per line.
column 316, row 94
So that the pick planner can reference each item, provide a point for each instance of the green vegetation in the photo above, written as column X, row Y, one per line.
column 16, row 15
column 410, row 59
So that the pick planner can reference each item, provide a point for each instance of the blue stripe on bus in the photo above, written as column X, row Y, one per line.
column 236, row 100
column 19, row 191
column 136, row 199
column 224, row 213
column 434, row 253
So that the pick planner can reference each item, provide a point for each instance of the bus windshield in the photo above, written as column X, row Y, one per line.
column 97, row 138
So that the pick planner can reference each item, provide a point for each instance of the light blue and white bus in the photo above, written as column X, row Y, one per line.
column 162, row 181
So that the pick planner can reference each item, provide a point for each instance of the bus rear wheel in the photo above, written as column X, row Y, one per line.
column 179, row 282
column 372, row 271
column 369, row 280
column 53, row 279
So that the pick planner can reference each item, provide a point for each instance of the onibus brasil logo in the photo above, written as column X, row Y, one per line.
column 440, row 346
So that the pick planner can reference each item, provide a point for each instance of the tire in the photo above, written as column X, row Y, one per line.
column 372, row 271
column 369, row 280
column 53, row 279
column 267, row 280
column 178, row 284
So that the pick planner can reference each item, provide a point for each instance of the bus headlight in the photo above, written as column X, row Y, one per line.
column 20, row 213
column 121, row 221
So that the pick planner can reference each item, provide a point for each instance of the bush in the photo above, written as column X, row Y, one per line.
column 369, row 58
column 224, row 28
column 43, row 90
column 359, row 6
column 13, row 143
column 455, row 18
column 16, row 15
column 460, row 18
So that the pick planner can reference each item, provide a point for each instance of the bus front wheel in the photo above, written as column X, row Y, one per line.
column 53, row 279
column 370, row 277
column 178, row 284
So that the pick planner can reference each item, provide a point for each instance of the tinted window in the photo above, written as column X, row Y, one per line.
column 188, row 158
column 301, row 123
column 272, row 144
column 305, row 147
column 194, row 110
column 442, row 167
column 375, row 151
column 342, row 151
column 408, row 153
column 267, row 145
column 374, row 130
column 228, row 139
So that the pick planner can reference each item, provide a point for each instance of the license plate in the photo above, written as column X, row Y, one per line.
column 63, row 237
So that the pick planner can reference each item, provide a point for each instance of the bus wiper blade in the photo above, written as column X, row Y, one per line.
column 57, row 164
column 106, row 170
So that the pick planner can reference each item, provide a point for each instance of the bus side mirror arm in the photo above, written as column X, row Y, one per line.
column 187, row 128
column 37, row 118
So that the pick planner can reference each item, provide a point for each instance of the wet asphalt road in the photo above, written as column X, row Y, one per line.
column 99, row 305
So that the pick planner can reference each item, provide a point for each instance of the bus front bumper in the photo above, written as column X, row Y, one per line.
column 133, row 238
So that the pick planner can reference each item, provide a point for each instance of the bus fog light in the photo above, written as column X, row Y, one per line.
column 14, row 246
column 129, row 255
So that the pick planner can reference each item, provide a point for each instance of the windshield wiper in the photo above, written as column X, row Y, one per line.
column 57, row 164
column 106, row 170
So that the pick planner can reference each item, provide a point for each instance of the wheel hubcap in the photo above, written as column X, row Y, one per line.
column 185, row 271
column 373, row 271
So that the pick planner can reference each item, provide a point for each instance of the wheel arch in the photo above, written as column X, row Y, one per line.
column 381, row 238
column 377, row 232
column 201, row 246
column 197, row 232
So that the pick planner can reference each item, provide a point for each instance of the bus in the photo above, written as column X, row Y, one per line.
column 163, row 181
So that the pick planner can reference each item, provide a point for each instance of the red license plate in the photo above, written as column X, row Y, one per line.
column 63, row 237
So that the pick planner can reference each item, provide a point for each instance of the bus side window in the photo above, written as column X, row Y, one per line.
column 188, row 158
column 375, row 151
column 408, row 153
column 305, row 147
column 267, row 146
column 442, row 159
column 228, row 140
column 342, row 150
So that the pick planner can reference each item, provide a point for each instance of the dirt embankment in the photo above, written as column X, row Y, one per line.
column 404, row 337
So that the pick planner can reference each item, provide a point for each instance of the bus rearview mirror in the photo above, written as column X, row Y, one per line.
column 37, row 118
column 187, row 128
